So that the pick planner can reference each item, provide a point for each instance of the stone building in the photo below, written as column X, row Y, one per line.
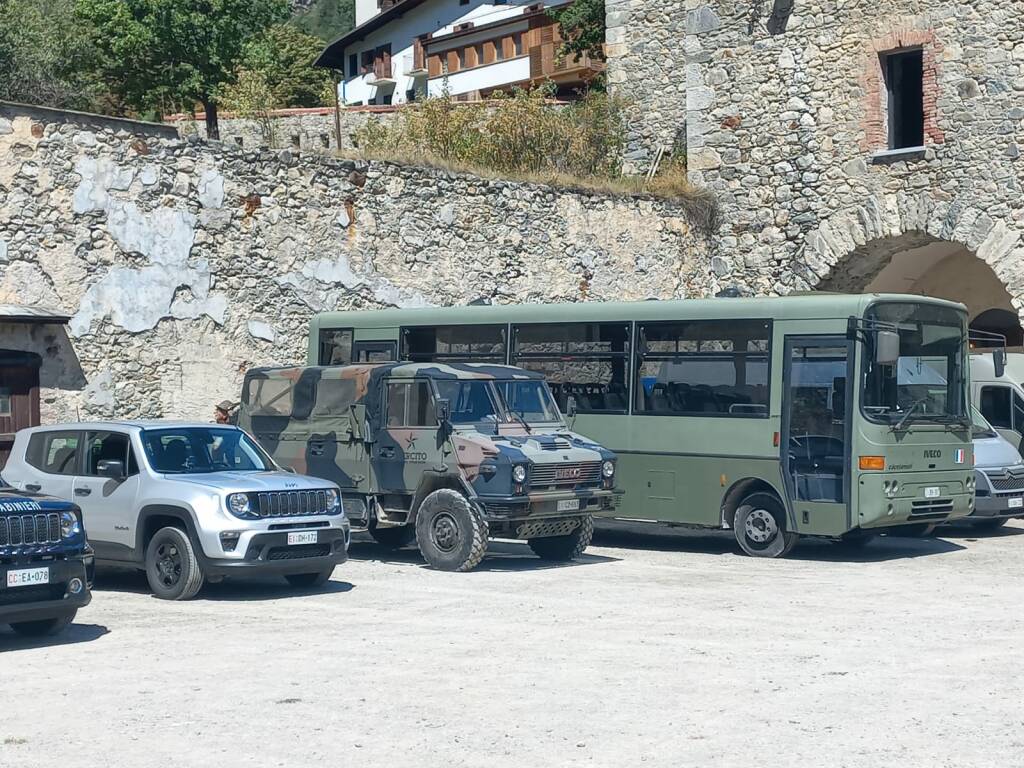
column 854, row 146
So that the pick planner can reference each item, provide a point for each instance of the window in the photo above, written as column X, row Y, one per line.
column 367, row 62
column 461, row 54
column 197, row 450
column 269, row 397
column 456, row 343
column 499, row 49
column 108, row 446
column 904, row 83
column 585, row 360
column 353, row 65
column 335, row 346
column 410, row 404
column 703, row 368
column 334, row 397
column 478, row 53
column 517, row 43
column 1003, row 408
column 55, row 453
column 5, row 401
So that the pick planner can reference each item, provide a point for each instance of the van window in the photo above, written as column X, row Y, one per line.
column 55, row 453
column 269, row 397
column 1002, row 407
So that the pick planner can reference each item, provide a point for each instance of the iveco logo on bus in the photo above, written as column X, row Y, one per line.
column 568, row 473
column 932, row 454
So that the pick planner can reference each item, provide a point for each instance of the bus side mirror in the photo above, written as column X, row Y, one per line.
column 887, row 347
column 999, row 362
column 444, row 412
column 570, row 407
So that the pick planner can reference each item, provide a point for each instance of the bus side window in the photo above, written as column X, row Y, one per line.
column 995, row 406
column 335, row 346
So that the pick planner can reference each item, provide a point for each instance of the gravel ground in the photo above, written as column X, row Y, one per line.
column 658, row 648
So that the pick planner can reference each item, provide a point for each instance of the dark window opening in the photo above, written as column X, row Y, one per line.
column 335, row 346
column 410, row 95
column 455, row 343
column 588, row 361
column 387, row 98
column 904, row 82
column 353, row 65
column 410, row 404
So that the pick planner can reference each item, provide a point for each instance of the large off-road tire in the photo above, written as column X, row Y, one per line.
column 991, row 524
column 44, row 627
column 395, row 538
column 760, row 526
column 307, row 580
column 451, row 532
column 172, row 567
column 565, row 548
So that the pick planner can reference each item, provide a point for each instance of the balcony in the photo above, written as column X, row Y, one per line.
column 381, row 74
column 415, row 63
column 547, row 63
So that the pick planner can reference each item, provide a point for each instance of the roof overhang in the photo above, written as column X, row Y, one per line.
column 17, row 313
column 333, row 56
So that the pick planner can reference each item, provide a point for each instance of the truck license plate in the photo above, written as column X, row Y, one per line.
column 28, row 577
column 306, row 537
column 568, row 505
column 932, row 492
column 1015, row 502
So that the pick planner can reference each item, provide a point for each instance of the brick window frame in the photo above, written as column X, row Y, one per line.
column 875, row 123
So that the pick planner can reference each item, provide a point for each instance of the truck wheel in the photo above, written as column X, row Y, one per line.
column 760, row 526
column 43, row 627
column 991, row 524
column 451, row 532
column 396, row 538
column 172, row 569
column 309, row 579
column 564, row 548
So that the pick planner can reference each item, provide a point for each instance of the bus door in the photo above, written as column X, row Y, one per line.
column 816, row 431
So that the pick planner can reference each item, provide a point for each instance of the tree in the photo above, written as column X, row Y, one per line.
column 45, row 56
column 327, row 19
column 582, row 23
column 169, row 54
column 284, row 56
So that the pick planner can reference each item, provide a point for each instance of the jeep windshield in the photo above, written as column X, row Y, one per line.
column 530, row 400
column 927, row 383
column 196, row 450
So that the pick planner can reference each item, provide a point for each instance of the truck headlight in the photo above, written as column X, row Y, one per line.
column 239, row 505
column 69, row 524
column 608, row 468
column 519, row 473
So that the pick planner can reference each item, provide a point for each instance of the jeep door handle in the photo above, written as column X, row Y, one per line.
column 33, row 487
column 387, row 452
column 83, row 491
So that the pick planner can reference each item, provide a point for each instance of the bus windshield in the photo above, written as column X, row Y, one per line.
column 927, row 383
column 530, row 400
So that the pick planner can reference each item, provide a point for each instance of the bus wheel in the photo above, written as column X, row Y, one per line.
column 760, row 527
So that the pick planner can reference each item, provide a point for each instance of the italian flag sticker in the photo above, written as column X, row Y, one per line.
column 959, row 456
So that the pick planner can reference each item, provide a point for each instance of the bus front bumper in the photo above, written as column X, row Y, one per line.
column 918, row 499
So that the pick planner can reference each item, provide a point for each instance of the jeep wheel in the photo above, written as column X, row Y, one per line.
column 760, row 527
column 306, row 580
column 451, row 532
column 172, row 569
column 395, row 538
column 43, row 627
column 564, row 548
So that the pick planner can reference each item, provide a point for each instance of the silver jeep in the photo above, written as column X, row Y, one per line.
column 189, row 502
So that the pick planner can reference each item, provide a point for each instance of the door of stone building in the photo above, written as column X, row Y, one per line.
column 19, row 396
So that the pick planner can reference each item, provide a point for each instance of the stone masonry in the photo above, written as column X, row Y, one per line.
column 182, row 263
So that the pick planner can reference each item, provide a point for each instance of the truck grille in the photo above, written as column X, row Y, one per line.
column 1005, row 481
column 577, row 473
column 285, row 503
column 43, row 528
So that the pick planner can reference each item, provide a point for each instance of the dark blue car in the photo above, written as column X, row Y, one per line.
column 46, row 564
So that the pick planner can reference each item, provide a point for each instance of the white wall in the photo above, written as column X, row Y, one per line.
column 437, row 17
column 366, row 10
column 487, row 76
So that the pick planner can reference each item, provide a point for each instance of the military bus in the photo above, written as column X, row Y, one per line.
column 837, row 416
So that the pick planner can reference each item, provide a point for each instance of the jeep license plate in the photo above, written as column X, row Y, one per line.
column 306, row 537
column 568, row 505
column 1015, row 502
column 28, row 577
column 932, row 492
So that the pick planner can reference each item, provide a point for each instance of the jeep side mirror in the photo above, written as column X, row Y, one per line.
column 444, row 411
column 111, row 468
column 999, row 362
column 887, row 347
column 570, row 407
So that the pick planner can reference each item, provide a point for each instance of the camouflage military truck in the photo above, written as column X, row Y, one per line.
column 446, row 456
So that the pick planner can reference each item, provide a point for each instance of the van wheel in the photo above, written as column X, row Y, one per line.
column 172, row 568
column 451, row 532
column 43, row 627
column 306, row 580
column 760, row 526
column 396, row 538
column 564, row 548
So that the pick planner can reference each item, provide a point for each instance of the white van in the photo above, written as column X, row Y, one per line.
column 1000, row 398
column 999, row 476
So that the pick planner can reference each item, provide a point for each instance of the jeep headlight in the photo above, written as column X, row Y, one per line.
column 239, row 505
column 608, row 469
column 519, row 473
column 333, row 500
column 69, row 524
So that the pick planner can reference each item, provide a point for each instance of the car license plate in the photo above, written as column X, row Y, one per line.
column 932, row 492
column 568, row 505
column 1015, row 502
column 306, row 537
column 28, row 577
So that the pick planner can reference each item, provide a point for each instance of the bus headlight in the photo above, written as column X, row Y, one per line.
column 891, row 488
column 608, row 469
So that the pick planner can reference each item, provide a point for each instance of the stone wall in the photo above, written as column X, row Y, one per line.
column 784, row 129
column 304, row 129
column 182, row 263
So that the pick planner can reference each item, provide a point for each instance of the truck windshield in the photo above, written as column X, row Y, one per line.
column 927, row 383
column 195, row 450
column 472, row 401
column 530, row 400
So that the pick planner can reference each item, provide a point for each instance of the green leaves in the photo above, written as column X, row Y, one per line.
column 582, row 23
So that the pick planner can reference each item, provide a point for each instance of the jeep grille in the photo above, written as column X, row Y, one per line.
column 291, row 503
column 29, row 529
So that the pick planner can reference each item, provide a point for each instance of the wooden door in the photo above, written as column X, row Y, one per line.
column 19, row 396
